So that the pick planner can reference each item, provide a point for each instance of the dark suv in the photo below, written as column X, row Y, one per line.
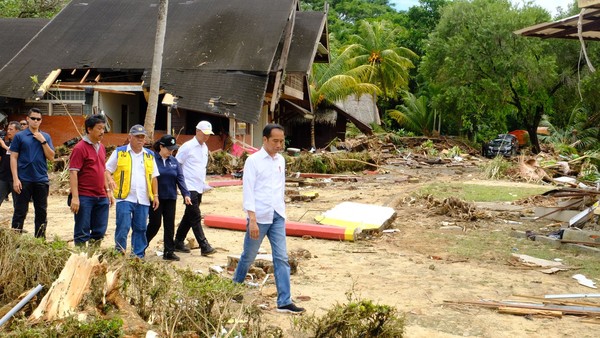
column 505, row 144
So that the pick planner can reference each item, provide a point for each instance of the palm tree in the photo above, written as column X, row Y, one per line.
column 330, row 83
column 376, row 59
column 413, row 114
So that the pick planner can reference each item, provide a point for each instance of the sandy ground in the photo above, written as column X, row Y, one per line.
column 395, row 269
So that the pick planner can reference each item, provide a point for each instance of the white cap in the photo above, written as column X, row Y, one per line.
column 205, row 127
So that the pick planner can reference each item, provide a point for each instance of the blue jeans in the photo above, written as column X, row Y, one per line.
column 91, row 220
column 132, row 216
column 276, row 234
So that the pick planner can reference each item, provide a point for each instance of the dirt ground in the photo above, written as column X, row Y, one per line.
column 404, row 269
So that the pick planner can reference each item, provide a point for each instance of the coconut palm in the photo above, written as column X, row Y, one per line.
column 375, row 58
column 330, row 83
column 413, row 114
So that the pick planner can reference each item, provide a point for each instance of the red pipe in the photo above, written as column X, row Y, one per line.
column 291, row 228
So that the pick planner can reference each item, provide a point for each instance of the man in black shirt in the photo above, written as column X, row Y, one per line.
column 6, row 180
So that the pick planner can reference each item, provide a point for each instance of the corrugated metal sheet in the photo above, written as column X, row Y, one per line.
column 567, row 28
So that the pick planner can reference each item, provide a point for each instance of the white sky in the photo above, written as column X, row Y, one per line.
column 549, row 5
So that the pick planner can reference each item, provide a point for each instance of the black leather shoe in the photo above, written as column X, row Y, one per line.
column 170, row 256
column 207, row 251
column 181, row 247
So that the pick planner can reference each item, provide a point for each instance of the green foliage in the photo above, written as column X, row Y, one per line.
column 329, row 163
column 145, row 285
column 479, row 192
column 428, row 148
column 497, row 168
column 589, row 172
column 414, row 114
column 26, row 261
column 482, row 73
column 454, row 151
column 420, row 22
column 356, row 318
column 375, row 58
column 30, row 8
column 70, row 327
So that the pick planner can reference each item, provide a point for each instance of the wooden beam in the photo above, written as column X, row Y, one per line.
column 47, row 83
column 85, row 76
column 102, row 90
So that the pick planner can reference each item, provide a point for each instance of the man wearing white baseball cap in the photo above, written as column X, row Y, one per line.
column 193, row 157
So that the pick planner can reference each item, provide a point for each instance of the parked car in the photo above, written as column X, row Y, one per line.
column 505, row 145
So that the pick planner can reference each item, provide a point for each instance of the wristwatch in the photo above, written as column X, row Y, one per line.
column 44, row 142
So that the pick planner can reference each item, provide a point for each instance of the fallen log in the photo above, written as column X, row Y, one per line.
column 133, row 324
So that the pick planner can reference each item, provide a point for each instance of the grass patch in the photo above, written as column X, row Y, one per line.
column 479, row 193
column 498, row 246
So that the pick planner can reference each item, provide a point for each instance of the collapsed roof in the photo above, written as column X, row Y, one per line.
column 217, row 54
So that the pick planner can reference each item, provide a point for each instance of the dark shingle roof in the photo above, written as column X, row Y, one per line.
column 222, row 37
column 15, row 33
column 232, row 94
column 308, row 28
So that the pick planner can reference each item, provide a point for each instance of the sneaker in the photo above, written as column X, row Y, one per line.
column 290, row 308
column 170, row 256
column 181, row 247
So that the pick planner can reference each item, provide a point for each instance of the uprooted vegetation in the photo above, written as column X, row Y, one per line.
column 169, row 301
column 356, row 318
column 129, row 297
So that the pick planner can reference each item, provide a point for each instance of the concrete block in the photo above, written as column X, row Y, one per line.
column 561, row 216
column 548, row 241
column 581, row 235
column 583, row 249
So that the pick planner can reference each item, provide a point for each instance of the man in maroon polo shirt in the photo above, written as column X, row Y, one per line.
column 90, row 193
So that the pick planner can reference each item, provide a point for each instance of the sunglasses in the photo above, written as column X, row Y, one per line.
column 35, row 118
column 23, row 124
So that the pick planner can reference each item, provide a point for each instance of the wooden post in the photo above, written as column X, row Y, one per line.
column 159, row 43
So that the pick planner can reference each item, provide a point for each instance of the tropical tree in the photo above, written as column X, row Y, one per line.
column 421, row 20
column 374, row 58
column 414, row 115
column 333, row 82
column 483, row 71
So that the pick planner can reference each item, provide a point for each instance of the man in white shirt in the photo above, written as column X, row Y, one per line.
column 264, row 202
column 131, row 175
column 193, row 157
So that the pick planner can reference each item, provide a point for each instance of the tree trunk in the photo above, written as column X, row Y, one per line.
column 532, row 126
column 312, row 133
column 159, row 43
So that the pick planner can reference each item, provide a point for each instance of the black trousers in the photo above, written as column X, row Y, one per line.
column 39, row 193
column 166, row 211
column 191, row 219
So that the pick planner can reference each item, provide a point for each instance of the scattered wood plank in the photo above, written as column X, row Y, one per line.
column 528, row 312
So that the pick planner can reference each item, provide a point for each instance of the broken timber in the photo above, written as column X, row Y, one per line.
column 66, row 292
column 564, row 309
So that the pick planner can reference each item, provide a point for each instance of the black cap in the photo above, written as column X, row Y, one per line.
column 169, row 142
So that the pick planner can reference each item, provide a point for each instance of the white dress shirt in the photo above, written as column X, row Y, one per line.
column 193, row 158
column 138, row 192
column 264, row 185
